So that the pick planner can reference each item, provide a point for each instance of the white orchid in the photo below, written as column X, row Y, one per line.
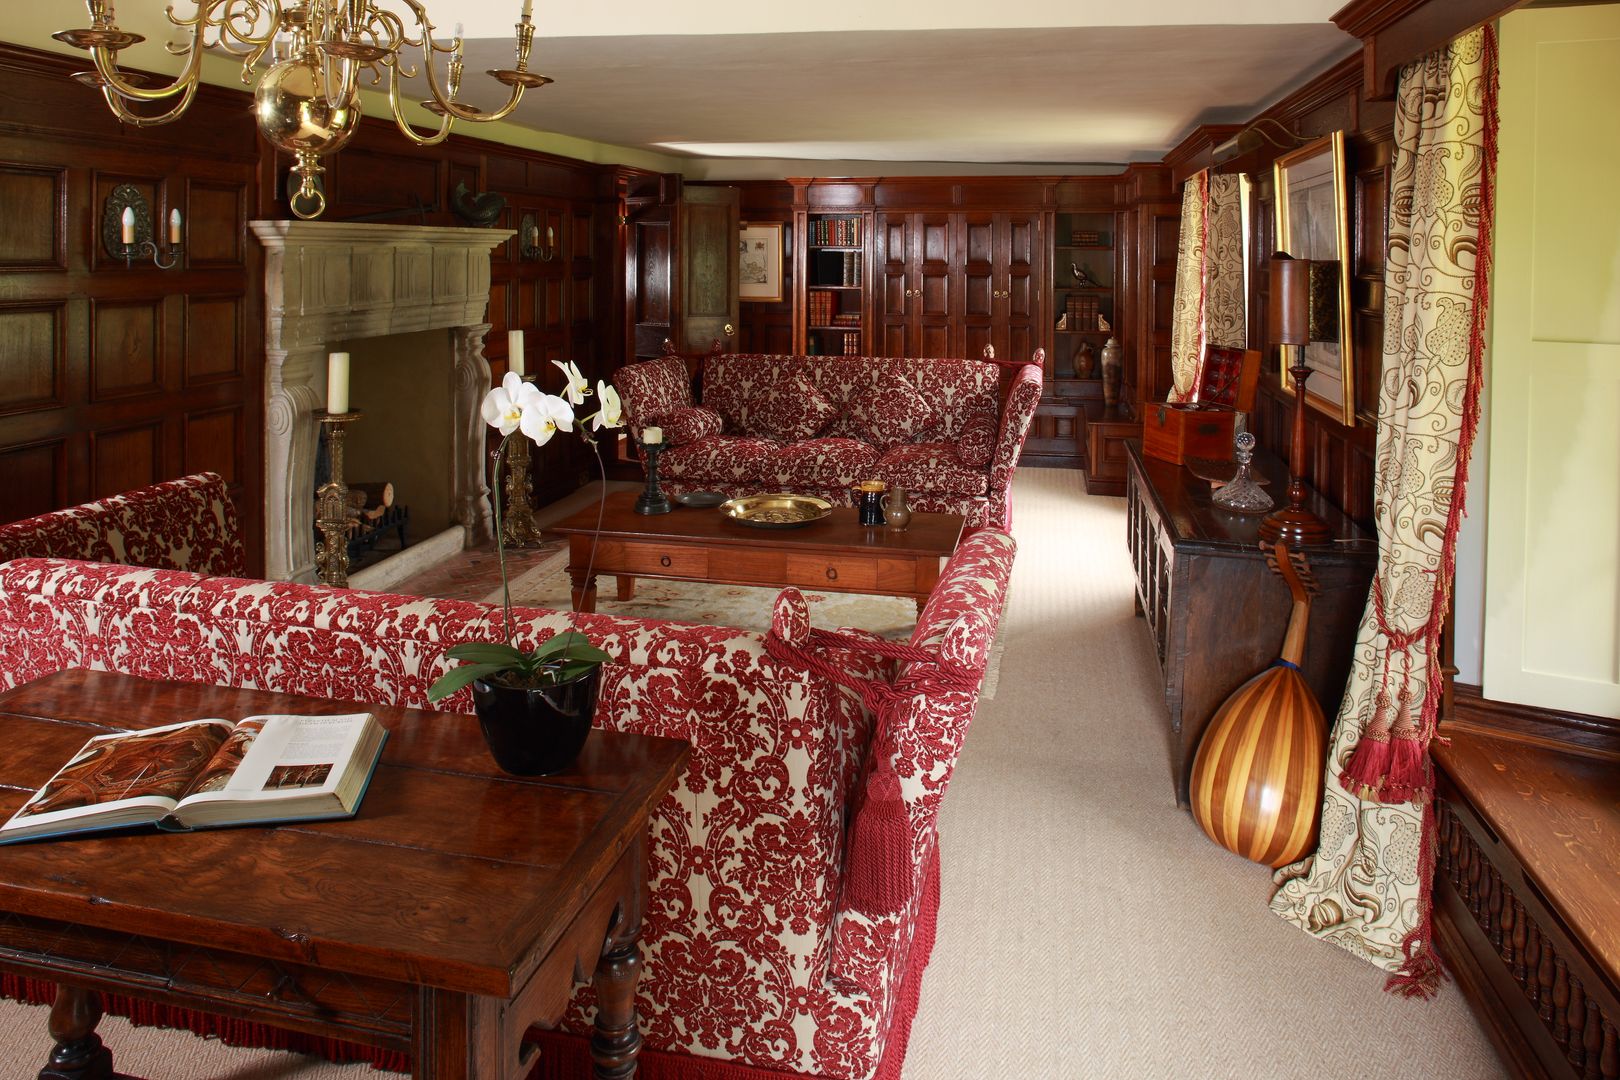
column 545, row 417
column 576, row 387
column 611, row 414
column 505, row 405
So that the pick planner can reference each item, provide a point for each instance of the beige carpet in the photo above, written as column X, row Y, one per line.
column 1088, row 930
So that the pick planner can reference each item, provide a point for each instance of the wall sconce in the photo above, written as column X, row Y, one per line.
column 126, row 229
column 529, row 241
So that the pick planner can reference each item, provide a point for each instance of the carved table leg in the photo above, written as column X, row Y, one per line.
column 617, row 1040
column 78, row 1054
column 584, row 590
column 627, row 587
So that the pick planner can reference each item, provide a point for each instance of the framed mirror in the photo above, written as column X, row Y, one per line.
column 1313, row 222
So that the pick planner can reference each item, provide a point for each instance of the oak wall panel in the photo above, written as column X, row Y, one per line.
column 121, row 459
column 215, row 219
column 35, row 205
column 31, row 341
column 36, row 479
column 213, row 442
column 126, row 343
column 213, row 332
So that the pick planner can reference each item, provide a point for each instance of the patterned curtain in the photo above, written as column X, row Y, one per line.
column 1187, row 312
column 1210, row 289
column 1367, row 888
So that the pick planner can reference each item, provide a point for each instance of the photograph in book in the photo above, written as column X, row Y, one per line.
column 205, row 773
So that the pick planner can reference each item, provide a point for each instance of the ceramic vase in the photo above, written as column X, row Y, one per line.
column 896, row 511
column 1085, row 362
column 1113, row 371
column 536, row 731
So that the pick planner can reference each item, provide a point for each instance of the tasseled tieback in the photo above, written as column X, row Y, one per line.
column 878, row 873
column 1390, row 763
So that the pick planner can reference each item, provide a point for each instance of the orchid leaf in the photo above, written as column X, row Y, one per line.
column 485, row 652
column 456, row 678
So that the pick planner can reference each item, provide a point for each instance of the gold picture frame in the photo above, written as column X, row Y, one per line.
column 1313, row 222
column 759, row 262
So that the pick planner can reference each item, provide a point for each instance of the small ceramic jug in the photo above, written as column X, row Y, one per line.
column 896, row 513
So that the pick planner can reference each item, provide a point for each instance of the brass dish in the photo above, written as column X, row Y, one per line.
column 776, row 511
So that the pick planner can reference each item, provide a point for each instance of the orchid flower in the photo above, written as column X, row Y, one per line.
column 505, row 405
column 544, row 416
column 611, row 414
column 576, row 387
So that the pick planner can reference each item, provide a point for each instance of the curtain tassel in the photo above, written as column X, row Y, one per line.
column 1408, row 779
column 1364, row 774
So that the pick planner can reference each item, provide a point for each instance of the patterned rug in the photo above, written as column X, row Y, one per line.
column 547, row 585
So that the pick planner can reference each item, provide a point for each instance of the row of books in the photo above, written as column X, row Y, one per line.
column 1086, row 238
column 843, row 232
column 1082, row 312
column 850, row 346
column 823, row 305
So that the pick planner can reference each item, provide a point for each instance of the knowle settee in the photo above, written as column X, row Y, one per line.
column 817, row 425
column 761, row 959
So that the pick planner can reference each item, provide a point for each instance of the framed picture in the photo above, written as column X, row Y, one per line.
column 1313, row 222
column 759, row 262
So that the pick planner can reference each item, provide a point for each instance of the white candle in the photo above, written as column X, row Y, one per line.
column 528, row 9
column 458, row 31
column 337, row 382
column 514, row 352
column 128, row 223
column 652, row 436
column 174, row 226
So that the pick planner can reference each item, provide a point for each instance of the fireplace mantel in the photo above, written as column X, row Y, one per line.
column 328, row 282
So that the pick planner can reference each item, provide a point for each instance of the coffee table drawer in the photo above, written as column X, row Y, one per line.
column 638, row 557
column 831, row 572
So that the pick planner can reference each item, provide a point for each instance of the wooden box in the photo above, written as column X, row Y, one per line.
column 1176, row 431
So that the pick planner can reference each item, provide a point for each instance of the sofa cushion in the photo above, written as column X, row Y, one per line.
column 651, row 390
column 689, row 424
column 790, row 410
column 818, row 463
column 892, row 411
column 931, row 467
column 976, row 441
column 719, row 461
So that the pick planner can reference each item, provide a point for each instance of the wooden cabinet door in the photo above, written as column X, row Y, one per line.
column 980, row 284
column 934, row 300
column 894, row 288
column 1019, row 257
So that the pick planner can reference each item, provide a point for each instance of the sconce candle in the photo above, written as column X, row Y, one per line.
column 337, row 382
column 514, row 352
column 652, row 436
column 127, row 225
column 174, row 227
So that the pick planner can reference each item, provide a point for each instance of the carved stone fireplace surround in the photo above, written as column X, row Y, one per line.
column 331, row 282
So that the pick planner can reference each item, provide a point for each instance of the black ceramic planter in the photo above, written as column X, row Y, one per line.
column 540, row 730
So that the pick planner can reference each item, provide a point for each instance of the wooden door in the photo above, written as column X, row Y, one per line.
column 934, row 238
column 708, row 263
column 894, row 285
column 1019, row 249
column 980, row 284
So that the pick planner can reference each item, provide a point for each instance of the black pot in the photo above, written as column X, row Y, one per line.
column 536, row 731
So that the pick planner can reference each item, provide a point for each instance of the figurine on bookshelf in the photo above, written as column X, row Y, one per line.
column 1081, row 278
column 1103, row 325
column 1063, row 321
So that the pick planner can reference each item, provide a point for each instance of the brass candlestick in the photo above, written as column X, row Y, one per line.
column 332, row 504
column 517, row 519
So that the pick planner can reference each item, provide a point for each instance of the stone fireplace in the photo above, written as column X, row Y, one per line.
column 328, row 284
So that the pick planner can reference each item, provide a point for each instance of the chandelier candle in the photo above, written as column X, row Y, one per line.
column 318, row 53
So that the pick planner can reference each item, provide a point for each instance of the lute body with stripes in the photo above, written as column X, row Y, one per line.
column 1257, row 775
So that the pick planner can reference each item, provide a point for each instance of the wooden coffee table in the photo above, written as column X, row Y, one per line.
column 444, row 920
column 835, row 554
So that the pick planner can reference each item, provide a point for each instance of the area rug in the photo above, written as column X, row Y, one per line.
column 748, row 608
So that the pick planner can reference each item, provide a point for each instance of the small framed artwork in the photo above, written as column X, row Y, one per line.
column 759, row 262
column 1313, row 222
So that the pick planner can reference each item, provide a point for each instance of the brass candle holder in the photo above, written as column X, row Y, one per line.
column 517, row 518
column 332, row 504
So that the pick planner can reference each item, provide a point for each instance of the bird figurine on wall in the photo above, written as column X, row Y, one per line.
column 1081, row 278
column 480, row 210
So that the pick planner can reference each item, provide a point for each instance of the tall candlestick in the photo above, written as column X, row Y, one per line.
column 127, row 224
column 514, row 352
column 174, row 227
column 337, row 382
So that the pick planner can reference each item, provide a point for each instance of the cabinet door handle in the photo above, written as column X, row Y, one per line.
column 832, row 573
column 663, row 560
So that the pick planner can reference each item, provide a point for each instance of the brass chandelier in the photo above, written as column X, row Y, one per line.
column 308, row 101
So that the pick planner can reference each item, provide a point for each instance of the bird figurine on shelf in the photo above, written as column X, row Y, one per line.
column 1081, row 278
column 478, row 210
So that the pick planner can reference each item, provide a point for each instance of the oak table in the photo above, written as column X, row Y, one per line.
column 835, row 554
column 444, row 920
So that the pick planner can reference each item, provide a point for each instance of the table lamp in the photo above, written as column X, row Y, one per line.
column 1293, row 524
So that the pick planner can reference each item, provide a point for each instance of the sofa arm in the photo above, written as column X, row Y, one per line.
column 1016, row 415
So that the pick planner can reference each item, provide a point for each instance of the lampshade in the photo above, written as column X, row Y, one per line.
column 1290, row 322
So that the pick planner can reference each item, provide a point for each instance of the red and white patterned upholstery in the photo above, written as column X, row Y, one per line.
column 885, row 402
column 184, row 524
column 651, row 390
column 690, row 423
column 752, row 954
column 934, row 466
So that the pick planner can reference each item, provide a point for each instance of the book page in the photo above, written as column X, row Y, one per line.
column 291, row 755
column 217, row 773
column 153, row 767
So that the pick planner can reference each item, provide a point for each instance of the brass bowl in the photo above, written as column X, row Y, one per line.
column 776, row 511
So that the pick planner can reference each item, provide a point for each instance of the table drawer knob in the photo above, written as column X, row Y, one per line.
column 663, row 560
column 832, row 573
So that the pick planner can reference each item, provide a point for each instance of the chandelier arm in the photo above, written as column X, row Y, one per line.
column 125, row 116
column 445, row 121
column 185, row 82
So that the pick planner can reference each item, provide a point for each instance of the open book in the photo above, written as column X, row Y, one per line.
column 206, row 773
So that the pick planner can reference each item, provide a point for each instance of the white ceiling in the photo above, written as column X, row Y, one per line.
column 743, row 88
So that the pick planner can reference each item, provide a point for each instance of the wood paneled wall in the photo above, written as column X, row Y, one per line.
column 112, row 377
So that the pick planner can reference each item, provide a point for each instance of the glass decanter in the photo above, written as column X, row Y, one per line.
column 1241, row 493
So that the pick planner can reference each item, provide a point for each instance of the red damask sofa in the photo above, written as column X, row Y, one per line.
column 763, row 957
column 816, row 425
